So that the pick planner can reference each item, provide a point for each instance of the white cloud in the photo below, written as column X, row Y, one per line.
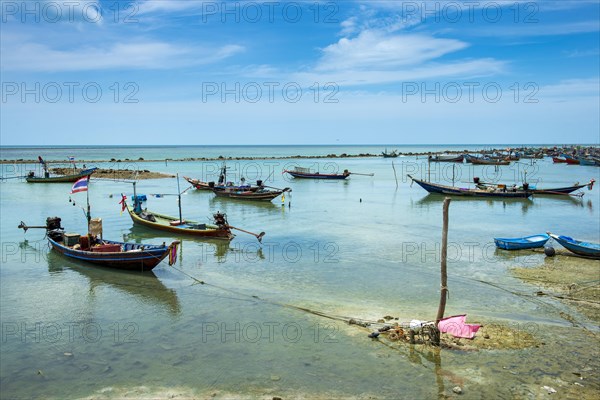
column 375, row 50
column 29, row 56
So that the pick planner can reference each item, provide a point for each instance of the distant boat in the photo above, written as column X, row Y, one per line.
column 106, row 253
column 586, row 249
column 586, row 161
column 486, row 160
column 527, row 242
column 559, row 160
column 489, row 193
column 306, row 173
column 570, row 160
column 31, row 178
column 443, row 158
column 392, row 154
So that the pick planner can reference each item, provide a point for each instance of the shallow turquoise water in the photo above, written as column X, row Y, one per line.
column 358, row 248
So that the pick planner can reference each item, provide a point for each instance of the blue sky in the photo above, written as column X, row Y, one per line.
column 315, row 72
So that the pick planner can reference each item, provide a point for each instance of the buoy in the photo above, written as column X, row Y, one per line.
column 549, row 251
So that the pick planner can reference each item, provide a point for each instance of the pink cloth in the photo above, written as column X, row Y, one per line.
column 456, row 327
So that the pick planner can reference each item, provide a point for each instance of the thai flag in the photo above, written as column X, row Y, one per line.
column 80, row 186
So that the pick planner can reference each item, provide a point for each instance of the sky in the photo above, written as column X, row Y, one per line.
column 140, row 72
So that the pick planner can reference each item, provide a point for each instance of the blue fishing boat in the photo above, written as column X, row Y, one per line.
column 106, row 253
column 586, row 249
column 527, row 242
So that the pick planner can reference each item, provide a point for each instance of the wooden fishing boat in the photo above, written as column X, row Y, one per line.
column 263, row 194
column 533, row 189
column 488, row 161
column 527, row 242
column 391, row 154
column 559, row 160
column 306, row 173
column 220, row 230
column 571, row 160
column 106, row 253
column 443, row 158
column 456, row 191
column 198, row 184
column 578, row 247
column 31, row 178
column 586, row 161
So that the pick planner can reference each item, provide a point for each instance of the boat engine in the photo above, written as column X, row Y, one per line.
column 53, row 223
column 220, row 219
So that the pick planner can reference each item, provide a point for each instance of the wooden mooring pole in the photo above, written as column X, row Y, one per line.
column 444, row 288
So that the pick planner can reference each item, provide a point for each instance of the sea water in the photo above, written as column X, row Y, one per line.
column 227, row 319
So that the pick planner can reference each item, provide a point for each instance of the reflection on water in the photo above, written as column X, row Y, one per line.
column 145, row 286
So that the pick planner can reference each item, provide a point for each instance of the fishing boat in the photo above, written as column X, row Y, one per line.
column 533, row 189
column 559, row 160
column 107, row 253
column 392, row 154
column 570, row 160
column 486, row 161
column 219, row 230
column 467, row 192
column 198, row 184
column 586, row 161
column 443, row 158
column 31, row 178
column 527, row 242
column 578, row 247
column 306, row 173
column 179, row 226
column 240, row 193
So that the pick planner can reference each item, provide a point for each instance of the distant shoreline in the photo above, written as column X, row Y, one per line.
column 250, row 158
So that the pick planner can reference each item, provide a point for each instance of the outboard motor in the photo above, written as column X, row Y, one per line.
column 259, row 183
column 476, row 179
column 211, row 184
column 525, row 186
column 53, row 223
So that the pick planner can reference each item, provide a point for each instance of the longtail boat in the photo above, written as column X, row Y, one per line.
column 578, row 247
column 533, row 189
column 219, row 230
column 391, row 154
column 31, row 178
column 306, row 173
column 559, row 160
column 198, row 184
column 486, row 161
column 586, row 161
column 442, row 158
column 570, row 160
column 106, row 253
column 467, row 192
column 527, row 242
column 240, row 193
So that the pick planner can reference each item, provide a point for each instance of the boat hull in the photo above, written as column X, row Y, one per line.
column 317, row 175
column 143, row 260
column 578, row 247
column 62, row 179
column 209, row 232
column 477, row 193
column 527, row 242
column 248, row 195
column 457, row 159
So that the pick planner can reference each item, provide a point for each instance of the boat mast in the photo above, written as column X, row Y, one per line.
column 179, row 199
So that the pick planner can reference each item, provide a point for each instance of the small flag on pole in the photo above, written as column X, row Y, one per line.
column 80, row 186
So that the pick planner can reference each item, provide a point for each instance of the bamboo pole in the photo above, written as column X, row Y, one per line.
column 395, row 177
column 444, row 288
